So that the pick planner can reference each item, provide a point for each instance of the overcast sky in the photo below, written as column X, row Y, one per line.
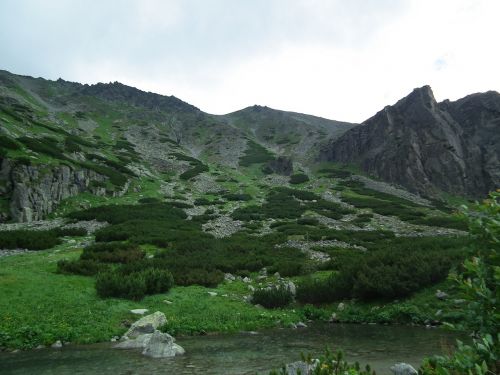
column 340, row 59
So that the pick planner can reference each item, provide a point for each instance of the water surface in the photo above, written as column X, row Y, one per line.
column 242, row 353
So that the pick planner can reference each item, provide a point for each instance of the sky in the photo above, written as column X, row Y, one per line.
column 339, row 59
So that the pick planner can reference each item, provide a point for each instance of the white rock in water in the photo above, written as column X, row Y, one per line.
column 57, row 345
column 162, row 345
column 139, row 311
column 146, row 324
column 403, row 369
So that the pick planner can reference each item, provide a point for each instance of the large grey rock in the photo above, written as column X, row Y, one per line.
column 147, row 324
column 427, row 146
column 162, row 345
column 403, row 369
column 138, row 343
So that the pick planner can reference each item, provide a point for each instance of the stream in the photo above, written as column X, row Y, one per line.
column 242, row 353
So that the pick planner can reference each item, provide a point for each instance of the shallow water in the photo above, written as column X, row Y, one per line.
column 242, row 353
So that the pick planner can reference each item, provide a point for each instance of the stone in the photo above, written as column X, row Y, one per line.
column 341, row 306
column 167, row 302
column 138, row 343
column 251, row 288
column 139, row 311
column 246, row 279
column 301, row 325
column 57, row 345
column 441, row 295
column 403, row 369
column 146, row 324
column 212, row 294
column 162, row 345
column 333, row 318
column 301, row 367
column 229, row 277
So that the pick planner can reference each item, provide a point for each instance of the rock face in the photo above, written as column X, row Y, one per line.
column 35, row 191
column 281, row 165
column 428, row 147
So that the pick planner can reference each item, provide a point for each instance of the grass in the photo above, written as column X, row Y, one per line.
column 39, row 306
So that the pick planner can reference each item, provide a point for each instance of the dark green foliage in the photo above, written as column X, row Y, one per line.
column 198, row 276
column 362, row 219
column 80, row 267
column 134, row 285
column 285, row 203
column 180, row 204
column 384, row 207
column 31, row 240
column 149, row 200
column 70, row 232
column 115, row 177
column 255, row 154
column 237, row 197
column 298, row 178
column 393, row 269
column 193, row 172
column 308, row 221
column 46, row 145
column 201, row 202
column 454, row 222
column 116, row 214
column 335, row 173
column 272, row 297
column 8, row 143
column 112, row 252
column 289, row 268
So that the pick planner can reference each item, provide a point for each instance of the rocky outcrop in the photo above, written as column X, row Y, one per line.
column 34, row 191
column 403, row 369
column 428, row 147
column 143, row 334
column 281, row 165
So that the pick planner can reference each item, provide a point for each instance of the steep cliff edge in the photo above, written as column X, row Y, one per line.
column 34, row 192
column 428, row 147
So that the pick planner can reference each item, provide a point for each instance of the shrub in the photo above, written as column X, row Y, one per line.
column 308, row 221
column 272, row 297
column 255, row 154
column 298, row 178
column 6, row 142
column 31, row 240
column 70, row 232
column 79, row 267
column 149, row 200
column 115, row 284
column 112, row 252
column 193, row 172
column 198, row 276
column 237, row 196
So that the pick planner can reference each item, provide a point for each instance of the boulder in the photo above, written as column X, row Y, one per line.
column 341, row 306
column 403, row 369
column 441, row 295
column 162, row 345
column 57, row 345
column 147, row 324
column 138, row 343
column 301, row 367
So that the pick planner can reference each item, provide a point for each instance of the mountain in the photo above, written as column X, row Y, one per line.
column 61, row 139
column 428, row 147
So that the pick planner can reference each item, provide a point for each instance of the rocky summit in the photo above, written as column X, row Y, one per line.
column 428, row 147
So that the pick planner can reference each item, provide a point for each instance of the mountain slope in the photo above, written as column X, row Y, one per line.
column 428, row 147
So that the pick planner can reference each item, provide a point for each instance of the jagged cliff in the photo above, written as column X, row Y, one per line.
column 35, row 191
column 428, row 147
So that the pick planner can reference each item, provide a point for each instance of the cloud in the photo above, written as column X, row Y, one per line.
column 332, row 58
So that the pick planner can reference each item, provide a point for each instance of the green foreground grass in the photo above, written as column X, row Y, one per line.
column 39, row 306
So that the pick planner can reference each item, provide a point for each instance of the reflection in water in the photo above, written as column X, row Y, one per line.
column 243, row 353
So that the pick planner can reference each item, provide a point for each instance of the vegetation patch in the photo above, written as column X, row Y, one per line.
column 255, row 154
column 298, row 178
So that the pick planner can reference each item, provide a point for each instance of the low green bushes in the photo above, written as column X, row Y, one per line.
column 80, row 267
column 255, row 154
column 298, row 178
column 70, row 232
column 237, row 197
column 46, row 145
column 134, row 285
column 112, row 252
column 31, row 240
column 272, row 297
column 395, row 268
column 8, row 143
column 193, row 172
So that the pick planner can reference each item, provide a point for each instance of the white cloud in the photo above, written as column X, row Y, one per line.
column 337, row 59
